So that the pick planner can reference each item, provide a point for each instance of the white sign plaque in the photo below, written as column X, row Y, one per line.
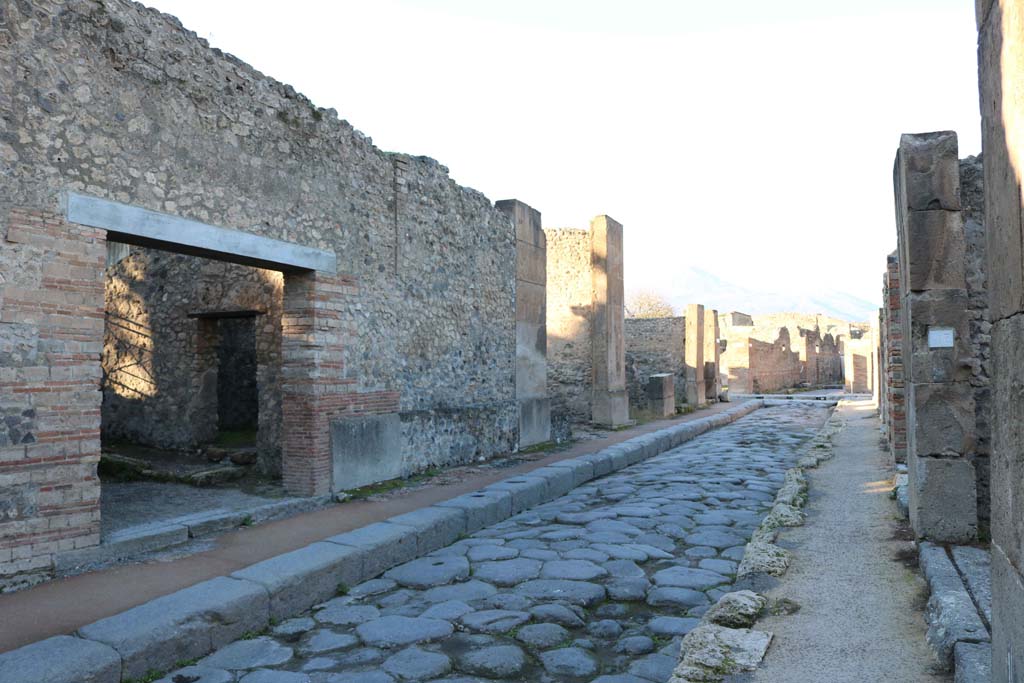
column 940, row 337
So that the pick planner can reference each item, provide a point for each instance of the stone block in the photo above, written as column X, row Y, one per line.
column 530, row 263
column 945, row 507
column 1007, row 619
column 944, row 309
column 366, row 450
column 944, row 418
column 601, row 461
column 526, row 491
column 951, row 614
column 1007, row 459
column 124, row 543
column 482, row 508
column 634, row 451
column 661, row 394
column 972, row 663
column 302, row 578
column 935, row 250
column 975, row 566
column 61, row 659
column 610, row 408
column 931, row 171
column 534, row 421
column 560, row 480
column 582, row 470
column 619, row 456
column 435, row 526
column 383, row 545
column 184, row 625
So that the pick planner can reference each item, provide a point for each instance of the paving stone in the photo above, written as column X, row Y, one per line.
column 575, row 592
column 510, row 601
column 654, row 667
column 341, row 614
column 634, row 645
column 414, row 664
column 495, row 661
column 485, row 553
column 621, row 552
column 361, row 677
column 507, row 572
column 577, row 570
column 273, row 676
column 686, row 577
column 383, row 545
column 494, row 620
column 619, row 678
column 586, row 554
column 428, row 572
column 628, row 589
column 324, row 641
column 482, row 508
column 358, row 657
column 467, row 591
column 393, row 631
column 604, row 629
column 735, row 553
column 669, row 596
column 557, row 614
column 248, row 654
column 543, row 554
column 714, row 539
column 542, row 636
column 724, row 567
column 371, row 587
column 672, row 626
column 569, row 661
column 293, row 629
column 624, row 569
column 193, row 674
column 449, row 611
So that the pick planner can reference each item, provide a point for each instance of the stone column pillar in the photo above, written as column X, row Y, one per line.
column 941, row 420
column 696, row 392
column 531, row 323
column 610, row 403
column 712, row 354
column 1001, row 67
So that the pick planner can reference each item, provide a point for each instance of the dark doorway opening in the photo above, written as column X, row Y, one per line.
column 237, row 387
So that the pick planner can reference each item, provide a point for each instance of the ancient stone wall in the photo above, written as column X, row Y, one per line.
column 120, row 102
column 569, row 307
column 654, row 346
column 1000, row 56
column 160, row 363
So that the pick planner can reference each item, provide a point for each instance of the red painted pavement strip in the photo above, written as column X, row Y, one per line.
column 61, row 606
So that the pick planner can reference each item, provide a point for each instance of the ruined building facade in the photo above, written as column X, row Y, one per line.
column 377, row 298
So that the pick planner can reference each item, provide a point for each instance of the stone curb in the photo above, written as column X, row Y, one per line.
column 952, row 616
column 761, row 555
column 193, row 622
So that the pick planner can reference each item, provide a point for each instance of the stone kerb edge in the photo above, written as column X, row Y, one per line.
column 195, row 621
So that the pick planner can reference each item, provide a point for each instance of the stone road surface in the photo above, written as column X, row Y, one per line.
column 598, row 585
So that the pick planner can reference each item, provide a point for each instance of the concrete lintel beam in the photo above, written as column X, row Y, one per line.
column 145, row 228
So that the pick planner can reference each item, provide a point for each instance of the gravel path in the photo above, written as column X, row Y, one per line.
column 598, row 585
column 860, row 616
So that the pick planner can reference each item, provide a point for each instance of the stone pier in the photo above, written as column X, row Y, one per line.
column 610, row 404
column 712, row 354
column 941, row 412
column 531, row 323
column 696, row 391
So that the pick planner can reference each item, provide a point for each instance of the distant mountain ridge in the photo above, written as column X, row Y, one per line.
column 695, row 285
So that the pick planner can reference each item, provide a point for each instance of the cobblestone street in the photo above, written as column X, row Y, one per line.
column 598, row 585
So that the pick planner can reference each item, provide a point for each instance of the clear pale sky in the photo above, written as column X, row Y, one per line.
column 751, row 139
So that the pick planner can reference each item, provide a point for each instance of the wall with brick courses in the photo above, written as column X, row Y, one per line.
column 118, row 101
column 896, row 416
column 654, row 346
column 51, row 333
